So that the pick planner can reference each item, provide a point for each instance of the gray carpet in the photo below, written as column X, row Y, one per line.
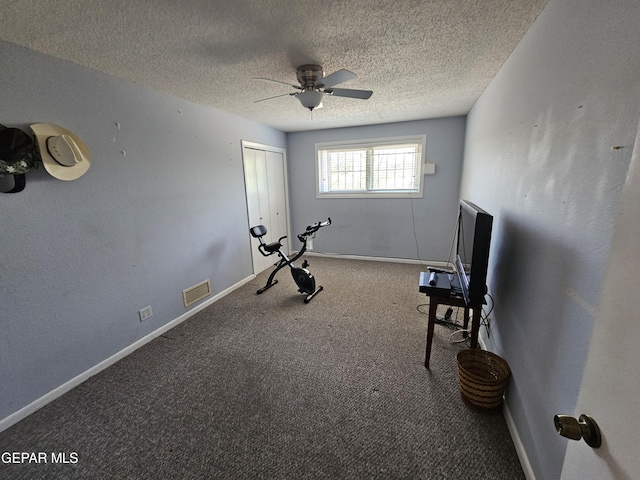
column 265, row 386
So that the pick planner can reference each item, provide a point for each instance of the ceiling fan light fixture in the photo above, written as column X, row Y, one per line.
column 310, row 99
column 314, row 86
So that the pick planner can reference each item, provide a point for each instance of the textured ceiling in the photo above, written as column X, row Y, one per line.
column 421, row 58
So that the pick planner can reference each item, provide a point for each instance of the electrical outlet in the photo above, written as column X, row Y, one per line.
column 145, row 313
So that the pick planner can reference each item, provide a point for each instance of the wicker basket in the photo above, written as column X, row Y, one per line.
column 483, row 376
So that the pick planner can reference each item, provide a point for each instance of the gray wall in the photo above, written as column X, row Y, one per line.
column 540, row 157
column 161, row 208
column 405, row 228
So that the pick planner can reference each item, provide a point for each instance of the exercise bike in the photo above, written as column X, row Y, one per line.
column 303, row 278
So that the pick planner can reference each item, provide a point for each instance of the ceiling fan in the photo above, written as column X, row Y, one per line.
column 314, row 86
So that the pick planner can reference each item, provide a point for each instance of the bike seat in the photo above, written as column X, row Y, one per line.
column 272, row 247
column 265, row 248
column 258, row 231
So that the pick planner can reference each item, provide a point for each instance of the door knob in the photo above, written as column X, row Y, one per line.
column 584, row 428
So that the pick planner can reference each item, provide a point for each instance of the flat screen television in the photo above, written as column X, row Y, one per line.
column 472, row 251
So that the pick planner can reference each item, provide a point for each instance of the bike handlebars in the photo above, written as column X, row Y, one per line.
column 316, row 226
column 313, row 228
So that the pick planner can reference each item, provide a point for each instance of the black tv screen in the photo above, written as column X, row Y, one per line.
column 472, row 252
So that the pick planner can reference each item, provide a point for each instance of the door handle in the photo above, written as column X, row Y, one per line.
column 584, row 428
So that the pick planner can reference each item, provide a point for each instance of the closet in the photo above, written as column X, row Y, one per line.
column 266, row 190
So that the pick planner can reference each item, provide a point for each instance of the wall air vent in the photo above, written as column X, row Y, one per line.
column 197, row 292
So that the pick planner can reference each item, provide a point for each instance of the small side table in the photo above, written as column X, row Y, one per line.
column 434, row 301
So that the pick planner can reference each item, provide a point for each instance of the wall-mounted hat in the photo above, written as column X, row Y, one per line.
column 16, row 158
column 63, row 154
column 12, row 183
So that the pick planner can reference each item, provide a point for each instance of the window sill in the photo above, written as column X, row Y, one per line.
column 407, row 194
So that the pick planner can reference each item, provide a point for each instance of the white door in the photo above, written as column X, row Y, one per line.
column 266, row 190
column 256, row 215
column 611, row 381
column 274, row 162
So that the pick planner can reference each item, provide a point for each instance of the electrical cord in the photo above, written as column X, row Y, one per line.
column 415, row 234
column 449, row 261
column 453, row 242
column 452, row 325
column 484, row 318
column 463, row 339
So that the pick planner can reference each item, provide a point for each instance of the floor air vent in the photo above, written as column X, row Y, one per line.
column 197, row 292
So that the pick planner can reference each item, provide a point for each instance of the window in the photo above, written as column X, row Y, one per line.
column 388, row 167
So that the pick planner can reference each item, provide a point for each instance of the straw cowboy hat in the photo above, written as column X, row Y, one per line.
column 63, row 154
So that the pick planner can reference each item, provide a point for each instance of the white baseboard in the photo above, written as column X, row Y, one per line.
column 513, row 430
column 515, row 436
column 74, row 382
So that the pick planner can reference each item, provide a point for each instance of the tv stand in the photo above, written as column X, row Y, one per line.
column 434, row 301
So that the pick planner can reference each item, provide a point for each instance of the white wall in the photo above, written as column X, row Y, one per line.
column 161, row 208
column 541, row 155
column 405, row 228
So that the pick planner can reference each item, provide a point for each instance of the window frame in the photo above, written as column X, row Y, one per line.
column 379, row 142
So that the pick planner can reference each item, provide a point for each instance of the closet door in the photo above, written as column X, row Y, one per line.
column 265, row 184
column 274, row 162
column 254, row 187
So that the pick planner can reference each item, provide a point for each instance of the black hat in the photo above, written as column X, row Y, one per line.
column 15, row 145
column 12, row 183
column 16, row 158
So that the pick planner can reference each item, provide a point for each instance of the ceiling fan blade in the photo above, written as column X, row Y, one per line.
column 278, row 81
column 276, row 96
column 335, row 78
column 350, row 93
